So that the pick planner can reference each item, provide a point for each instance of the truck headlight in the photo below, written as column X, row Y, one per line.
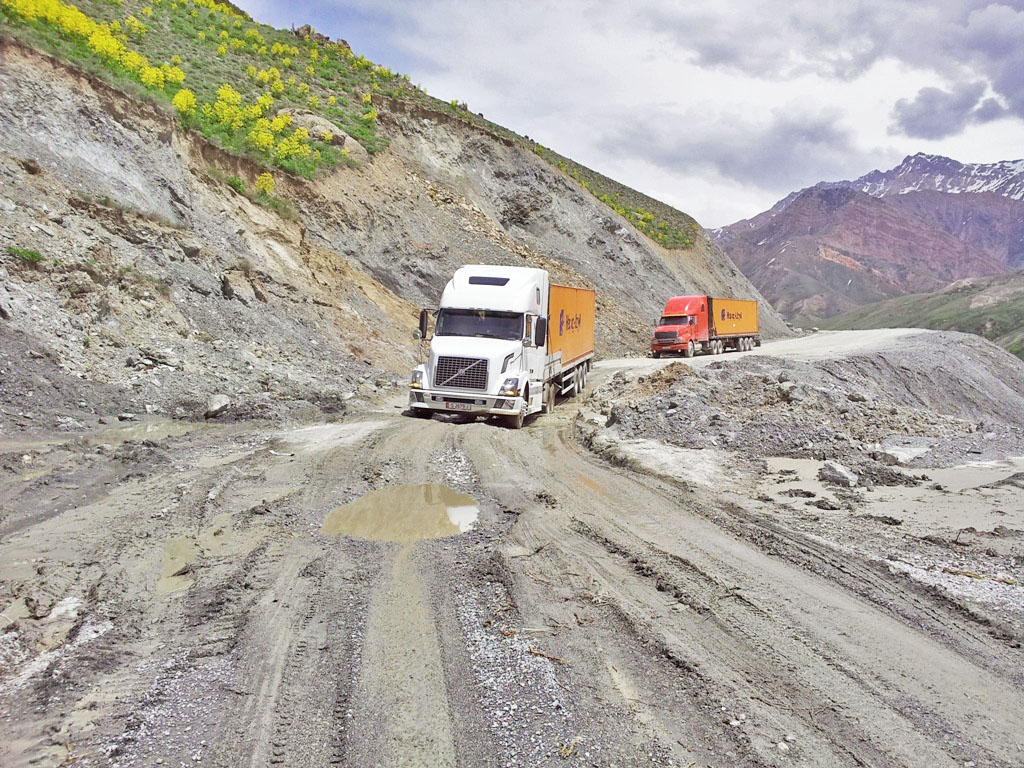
column 417, row 379
column 510, row 387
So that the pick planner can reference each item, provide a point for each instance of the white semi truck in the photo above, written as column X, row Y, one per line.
column 506, row 341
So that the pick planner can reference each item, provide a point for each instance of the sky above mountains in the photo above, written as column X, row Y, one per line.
column 719, row 109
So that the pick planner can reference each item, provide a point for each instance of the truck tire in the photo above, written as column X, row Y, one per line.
column 690, row 350
column 583, row 377
column 421, row 413
column 515, row 422
column 655, row 354
column 549, row 398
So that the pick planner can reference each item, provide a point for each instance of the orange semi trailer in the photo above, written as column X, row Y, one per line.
column 694, row 324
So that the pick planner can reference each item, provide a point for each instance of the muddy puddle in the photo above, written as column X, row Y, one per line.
column 405, row 513
column 150, row 429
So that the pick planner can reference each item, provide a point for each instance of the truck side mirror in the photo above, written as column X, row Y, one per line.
column 541, row 331
column 424, row 319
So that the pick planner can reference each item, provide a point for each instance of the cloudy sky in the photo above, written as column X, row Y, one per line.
column 718, row 108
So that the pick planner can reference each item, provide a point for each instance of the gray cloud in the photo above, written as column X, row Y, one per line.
column 935, row 113
column 793, row 150
column 976, row 40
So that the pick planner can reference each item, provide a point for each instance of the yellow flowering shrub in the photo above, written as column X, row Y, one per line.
column 303, row 88
column 173, row 75
column 282, row 121
column 295, row 145
column 327, row 137
column 261, row 137
column 277, row 87
column 367, row 98
column 222, row 50
column 175, row 59
column 265, row 184
column 184, row 101
column 152, row 77
column 134, row 62
column 370, row 116
column 332, row 100
column 250, row 72
column 106, row 45
column 314, row 102
column 135, row 27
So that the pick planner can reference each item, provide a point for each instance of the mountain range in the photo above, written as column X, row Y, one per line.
column 918, row 227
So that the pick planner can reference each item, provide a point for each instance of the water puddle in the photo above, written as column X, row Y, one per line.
column 405, row 513
column 155, row 429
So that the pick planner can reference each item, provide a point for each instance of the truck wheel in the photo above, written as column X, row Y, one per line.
column 655, row 354
column 515, row 422
column 421, row 413
column 583, row 377
column 549, row 398
column 689, row 350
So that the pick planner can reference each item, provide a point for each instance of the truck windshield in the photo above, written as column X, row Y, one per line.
column 673, row 320
column 479, row 322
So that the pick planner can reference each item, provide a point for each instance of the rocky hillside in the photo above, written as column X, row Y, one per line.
column 141, row 270
column 992, row 307
column 916, row 228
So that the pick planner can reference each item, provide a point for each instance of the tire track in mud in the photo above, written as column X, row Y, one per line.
column 806, row 655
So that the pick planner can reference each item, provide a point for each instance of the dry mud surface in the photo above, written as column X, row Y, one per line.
column 170, row 596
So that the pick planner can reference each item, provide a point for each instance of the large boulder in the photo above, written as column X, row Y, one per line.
column 834, row 473
column 319, row 126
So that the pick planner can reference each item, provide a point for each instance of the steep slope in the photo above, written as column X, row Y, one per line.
column 917, row 227
column 992, row 307
column 131, row 268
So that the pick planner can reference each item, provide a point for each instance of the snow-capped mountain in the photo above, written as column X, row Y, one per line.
column 927, row 222
column 942, row 174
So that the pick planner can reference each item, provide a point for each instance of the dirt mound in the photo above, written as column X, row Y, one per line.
column 901, row 404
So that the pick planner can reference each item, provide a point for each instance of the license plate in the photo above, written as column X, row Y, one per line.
column 457, row 406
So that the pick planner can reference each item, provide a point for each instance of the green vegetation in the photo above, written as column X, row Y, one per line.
column 997, row 314
column 26, row 254
column 229, row 78
column 225, row 75
column 660, row 222
column 261, row 192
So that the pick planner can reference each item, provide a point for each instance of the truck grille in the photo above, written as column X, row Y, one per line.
column 465, row 372
column 665, row 334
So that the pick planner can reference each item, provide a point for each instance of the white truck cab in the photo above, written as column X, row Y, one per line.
column 491, row 354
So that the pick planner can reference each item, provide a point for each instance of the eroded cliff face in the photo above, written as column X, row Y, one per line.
column 157, row 285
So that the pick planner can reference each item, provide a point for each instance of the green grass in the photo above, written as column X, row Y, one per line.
column 1001, row 323
column 190, row 36
column 27, row 255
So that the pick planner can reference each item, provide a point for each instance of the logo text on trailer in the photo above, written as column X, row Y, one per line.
column 571, row 323
column 732, row 315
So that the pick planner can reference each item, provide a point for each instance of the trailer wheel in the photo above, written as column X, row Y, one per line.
column 583, row 377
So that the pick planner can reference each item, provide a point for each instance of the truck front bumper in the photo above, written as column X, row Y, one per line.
column 671, row 345
column 472, row 404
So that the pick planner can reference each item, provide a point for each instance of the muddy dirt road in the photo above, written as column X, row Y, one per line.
column 189, row 596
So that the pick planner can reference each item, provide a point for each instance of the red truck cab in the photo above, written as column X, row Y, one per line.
column 683, row 326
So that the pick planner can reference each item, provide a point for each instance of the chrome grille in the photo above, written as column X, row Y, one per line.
column 464, row 372
column 665, row 334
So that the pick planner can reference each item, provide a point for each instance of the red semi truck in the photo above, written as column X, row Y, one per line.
column 693, row 324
